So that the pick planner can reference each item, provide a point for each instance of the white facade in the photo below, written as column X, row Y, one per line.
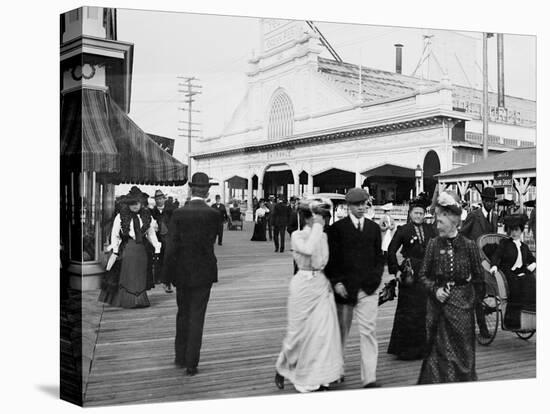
column 331, row 128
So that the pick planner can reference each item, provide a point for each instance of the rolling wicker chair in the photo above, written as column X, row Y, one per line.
column 496, row 293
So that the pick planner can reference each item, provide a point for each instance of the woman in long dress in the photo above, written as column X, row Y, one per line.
column 130, row 229
column 311, row 356
column 260, row 223
column 408, row 335
column 452, row 276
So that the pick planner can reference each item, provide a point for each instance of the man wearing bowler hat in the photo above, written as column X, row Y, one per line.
column 479, row 222
column 191, row 266
column 355, row 270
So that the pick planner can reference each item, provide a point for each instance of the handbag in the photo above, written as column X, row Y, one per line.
column 407, row 273
column 387, row 293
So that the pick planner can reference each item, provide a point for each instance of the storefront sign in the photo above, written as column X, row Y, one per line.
column 278, row 155
column 167, row 144
column 503, row 179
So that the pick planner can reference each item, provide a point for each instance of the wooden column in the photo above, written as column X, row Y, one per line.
column 309, row 184
column 249, row 211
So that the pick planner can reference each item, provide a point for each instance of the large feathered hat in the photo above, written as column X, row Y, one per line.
column 449, row 201
column 421, row 200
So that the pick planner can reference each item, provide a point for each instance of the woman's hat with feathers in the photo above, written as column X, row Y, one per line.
column 449, row 201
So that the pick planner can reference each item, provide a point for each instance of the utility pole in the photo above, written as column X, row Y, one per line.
column 485, row 105
column 189, row 89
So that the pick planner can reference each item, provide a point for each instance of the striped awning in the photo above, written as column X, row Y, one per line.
column 86, row 140
column 97, row 135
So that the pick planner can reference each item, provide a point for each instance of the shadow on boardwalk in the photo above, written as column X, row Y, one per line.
column 244, row 328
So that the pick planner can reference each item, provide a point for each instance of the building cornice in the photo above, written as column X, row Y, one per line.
column 341, row 135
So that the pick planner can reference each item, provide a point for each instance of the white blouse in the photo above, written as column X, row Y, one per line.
column 310, row 247
column 116, row 239
column 261, row 212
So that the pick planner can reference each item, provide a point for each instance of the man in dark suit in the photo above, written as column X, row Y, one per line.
column 280, row 217
column 355, row 268
column 482, row 220
column 270, row 205
column 293, row 221
column 479, row 222
column 162, row 215
column 192, row 267
column 220, row 208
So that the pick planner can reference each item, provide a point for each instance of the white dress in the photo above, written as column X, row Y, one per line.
column 311, row 354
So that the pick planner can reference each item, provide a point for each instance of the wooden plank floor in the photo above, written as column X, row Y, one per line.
column 244, row 328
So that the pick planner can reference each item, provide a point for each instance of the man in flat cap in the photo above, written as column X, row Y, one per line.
column 355, row 269
column 191, row 266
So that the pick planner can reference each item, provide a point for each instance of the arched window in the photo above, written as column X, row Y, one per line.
column 280, row 122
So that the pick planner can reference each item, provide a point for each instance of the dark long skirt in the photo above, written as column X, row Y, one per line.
column 132, row 283
column 522, row 296
column 408, row 336
column 450, row 329
column 259, row 231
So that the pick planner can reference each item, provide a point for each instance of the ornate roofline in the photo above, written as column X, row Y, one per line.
column 332, row 136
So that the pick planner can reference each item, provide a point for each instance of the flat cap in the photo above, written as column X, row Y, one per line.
column 356, row 195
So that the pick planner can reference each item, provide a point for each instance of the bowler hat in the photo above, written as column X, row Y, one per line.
column 489, row 193
column 200, row 179
column 159, row 193
column 356, row 195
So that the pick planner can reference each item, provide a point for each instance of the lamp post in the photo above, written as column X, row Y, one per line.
column 418, row 179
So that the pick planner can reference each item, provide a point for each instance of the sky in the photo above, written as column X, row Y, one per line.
column 215, row 49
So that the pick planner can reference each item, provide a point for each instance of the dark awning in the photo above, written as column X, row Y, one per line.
column 141, row 159
column 97, row 135
column 237, row 182
column 390, row 170
column 86, row 140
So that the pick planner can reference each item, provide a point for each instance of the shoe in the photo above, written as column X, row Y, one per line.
column 219, row 244
column 167, row 288
column 276, row 250
column 372, row 385
column 179, row 364
column 484, row 333
column 282, row 251
column 322, row 388
column 279, row 381
column 191, row 371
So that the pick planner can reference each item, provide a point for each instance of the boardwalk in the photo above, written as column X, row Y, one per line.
column 245, row 324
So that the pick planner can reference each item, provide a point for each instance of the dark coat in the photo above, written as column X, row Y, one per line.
column 189, row 258
column 293, row 221
column 162, row 219
column 405, row 237
column 476, row 224
column 506, row 254
column 221, row 211
column 355, row 258
column 281, row 215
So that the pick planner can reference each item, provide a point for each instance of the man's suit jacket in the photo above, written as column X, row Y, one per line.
column 293, row 221
column 162, row 219
column 355, row 258
column 281, row 215
column 189, row 259
column 476, row 225
column 221, row 211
